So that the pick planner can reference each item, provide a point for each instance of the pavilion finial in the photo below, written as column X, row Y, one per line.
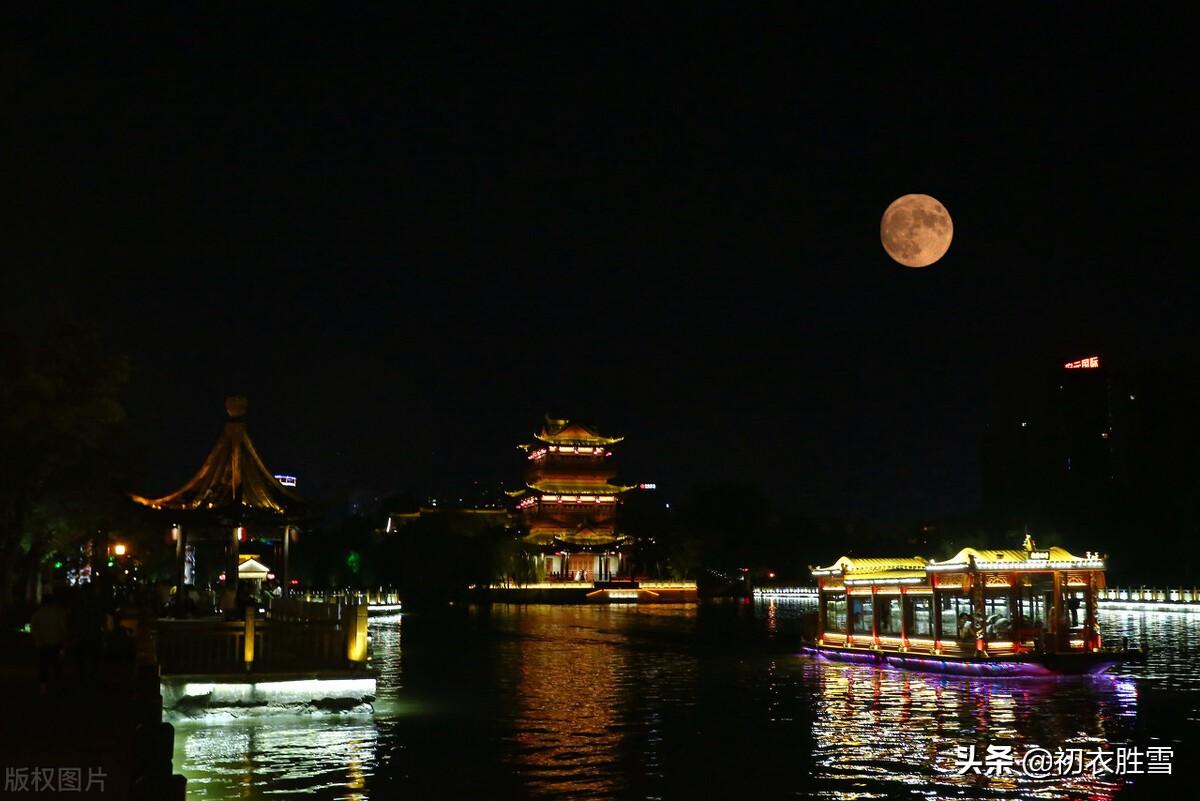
column 1029, row 546
column 235, row 407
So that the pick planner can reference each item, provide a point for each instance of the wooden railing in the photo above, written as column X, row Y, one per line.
column 370, row 597
column 785, row 592
column 199, row 646
column 307, row 639
column 302, row 610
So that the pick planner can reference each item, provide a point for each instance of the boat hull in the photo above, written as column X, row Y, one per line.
column 1007, row 666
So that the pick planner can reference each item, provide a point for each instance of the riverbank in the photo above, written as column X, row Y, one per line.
column 658, row 592
column 96, row 732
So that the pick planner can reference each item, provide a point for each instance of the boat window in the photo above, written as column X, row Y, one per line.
column 1033, row 607
column 835, row 612
column 997, row 614
column 954, row 605
column 920, row 616
column 861, row 611
column 1076, row 606
column 888, row 614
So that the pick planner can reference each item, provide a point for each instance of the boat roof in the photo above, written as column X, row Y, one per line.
column 873, row 565
column 1052, row 558
column 887, row 577
column 901, row 568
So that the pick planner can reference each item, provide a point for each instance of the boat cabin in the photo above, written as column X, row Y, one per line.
column 978, row 603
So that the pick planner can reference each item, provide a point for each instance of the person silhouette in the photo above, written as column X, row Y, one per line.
column 966, row 627
column 49, row 628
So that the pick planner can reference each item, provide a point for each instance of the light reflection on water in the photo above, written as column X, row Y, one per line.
column 256, row 758
column 683, row 701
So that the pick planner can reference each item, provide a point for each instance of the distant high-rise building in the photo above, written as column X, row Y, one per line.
column 1051, row 443
column 1094, row 447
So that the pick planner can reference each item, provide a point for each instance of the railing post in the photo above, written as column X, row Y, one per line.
column 248, row 642
column 356, row 634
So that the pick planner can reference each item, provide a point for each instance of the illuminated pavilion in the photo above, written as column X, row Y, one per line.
column 231, row 500
column 568, row 508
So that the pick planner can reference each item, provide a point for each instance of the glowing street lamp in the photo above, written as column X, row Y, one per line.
column 119, row 549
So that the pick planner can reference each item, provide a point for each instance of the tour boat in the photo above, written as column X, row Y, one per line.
column 985, row 612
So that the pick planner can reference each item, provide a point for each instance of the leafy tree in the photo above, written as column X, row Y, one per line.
column 60, row 432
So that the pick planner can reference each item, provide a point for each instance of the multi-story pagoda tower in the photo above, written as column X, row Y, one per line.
column 568, row 508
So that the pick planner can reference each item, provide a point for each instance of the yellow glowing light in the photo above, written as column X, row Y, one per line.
column 248, row 639
column 119, row 549
column 356, row 639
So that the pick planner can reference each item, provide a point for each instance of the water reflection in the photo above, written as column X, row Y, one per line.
column 880, row 727
column 256, row 758
column 685, row 701
column 567, row 691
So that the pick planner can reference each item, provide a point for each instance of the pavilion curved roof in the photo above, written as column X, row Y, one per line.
column 233, row 479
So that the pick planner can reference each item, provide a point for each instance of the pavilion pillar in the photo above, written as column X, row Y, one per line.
column 180, row 557
column 936, row 615
column 874, row 616
column 821, row 612
column 1090, row 622
column 1056, row 612
column 285, row 574
column 849, row 611
column 1014, row 609
column 231, row 569
column 979, row 610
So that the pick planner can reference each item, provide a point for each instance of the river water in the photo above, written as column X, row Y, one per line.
column 697, row 701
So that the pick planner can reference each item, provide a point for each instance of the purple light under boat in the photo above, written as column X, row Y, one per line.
column 933, row 664
column 981, row 668
column 842, row 656
column 1007, row 668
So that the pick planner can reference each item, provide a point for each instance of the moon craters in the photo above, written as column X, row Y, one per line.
column 916, row 230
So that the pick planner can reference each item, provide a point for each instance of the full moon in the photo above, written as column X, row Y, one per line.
column 916, row 230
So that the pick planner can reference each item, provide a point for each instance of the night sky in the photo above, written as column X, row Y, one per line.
column 405, row 236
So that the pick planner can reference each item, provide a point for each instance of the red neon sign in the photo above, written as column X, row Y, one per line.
column 1090, row 363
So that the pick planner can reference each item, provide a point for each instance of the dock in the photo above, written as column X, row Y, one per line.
column 599, row 592
column 301, row 656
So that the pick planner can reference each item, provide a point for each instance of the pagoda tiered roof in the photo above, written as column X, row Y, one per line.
column 557, row 431
column 583, row 534
column 578, row 487
column 233, row 479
